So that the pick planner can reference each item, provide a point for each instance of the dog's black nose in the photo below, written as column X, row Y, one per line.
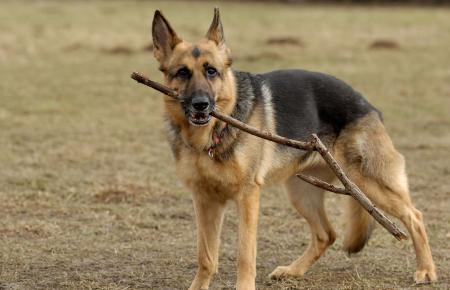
column 200, row 103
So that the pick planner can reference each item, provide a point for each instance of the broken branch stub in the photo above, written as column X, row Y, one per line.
column 314, row 145
column 322, row 184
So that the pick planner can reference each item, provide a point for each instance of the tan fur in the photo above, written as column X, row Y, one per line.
column 363, row 149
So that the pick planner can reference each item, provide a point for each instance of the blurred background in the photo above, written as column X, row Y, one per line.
column 89, row 198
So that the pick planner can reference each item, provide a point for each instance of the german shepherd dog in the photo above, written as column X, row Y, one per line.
column 220, row 163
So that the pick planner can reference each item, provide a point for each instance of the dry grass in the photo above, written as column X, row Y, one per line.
column 87, row 189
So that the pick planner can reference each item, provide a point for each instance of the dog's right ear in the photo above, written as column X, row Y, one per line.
column 164, row 37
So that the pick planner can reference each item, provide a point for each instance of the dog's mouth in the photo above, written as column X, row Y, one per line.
column 199, row 118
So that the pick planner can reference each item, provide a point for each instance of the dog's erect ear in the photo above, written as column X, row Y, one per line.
column 215, row 31
column 164, row 37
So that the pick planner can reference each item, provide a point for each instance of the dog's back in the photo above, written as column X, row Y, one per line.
column 309, row 102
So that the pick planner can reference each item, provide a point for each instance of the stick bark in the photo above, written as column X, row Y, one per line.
column 314, row 145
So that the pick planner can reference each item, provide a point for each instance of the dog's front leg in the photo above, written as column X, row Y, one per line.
column 248, row 207
column 209, row 215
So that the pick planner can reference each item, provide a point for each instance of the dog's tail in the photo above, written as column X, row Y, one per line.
column 359, row 227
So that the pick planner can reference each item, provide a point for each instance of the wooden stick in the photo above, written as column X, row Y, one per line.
column 314, row 145
column 157, row 86
column 322, row 184
column 263, row 134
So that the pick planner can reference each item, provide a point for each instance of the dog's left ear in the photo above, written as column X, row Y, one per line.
column 215, row 31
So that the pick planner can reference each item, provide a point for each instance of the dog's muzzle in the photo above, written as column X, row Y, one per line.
column 200, row 109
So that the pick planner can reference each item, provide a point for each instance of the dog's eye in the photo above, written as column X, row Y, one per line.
column 183, row 73
column 211, row 72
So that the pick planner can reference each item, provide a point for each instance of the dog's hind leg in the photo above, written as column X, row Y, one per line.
column 395, row 200
column 209, row 214
column 309, row 202
column 371, row 161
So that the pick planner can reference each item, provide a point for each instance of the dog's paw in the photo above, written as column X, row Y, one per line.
column 284, row 271
column 425, row 276
column 279, row 273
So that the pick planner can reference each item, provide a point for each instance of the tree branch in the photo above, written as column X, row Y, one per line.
column 314, row 145
column 322, row 184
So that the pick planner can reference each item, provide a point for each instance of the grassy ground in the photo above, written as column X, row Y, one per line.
column 88, row 196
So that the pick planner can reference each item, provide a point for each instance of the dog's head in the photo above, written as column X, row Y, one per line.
column 200, row 72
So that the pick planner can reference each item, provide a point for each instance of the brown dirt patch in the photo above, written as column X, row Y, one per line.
column 285, row 40
column 384, row 44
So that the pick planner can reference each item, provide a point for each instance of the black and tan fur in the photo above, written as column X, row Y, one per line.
column 294, row 104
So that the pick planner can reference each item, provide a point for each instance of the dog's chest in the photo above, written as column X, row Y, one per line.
column 204, row 174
